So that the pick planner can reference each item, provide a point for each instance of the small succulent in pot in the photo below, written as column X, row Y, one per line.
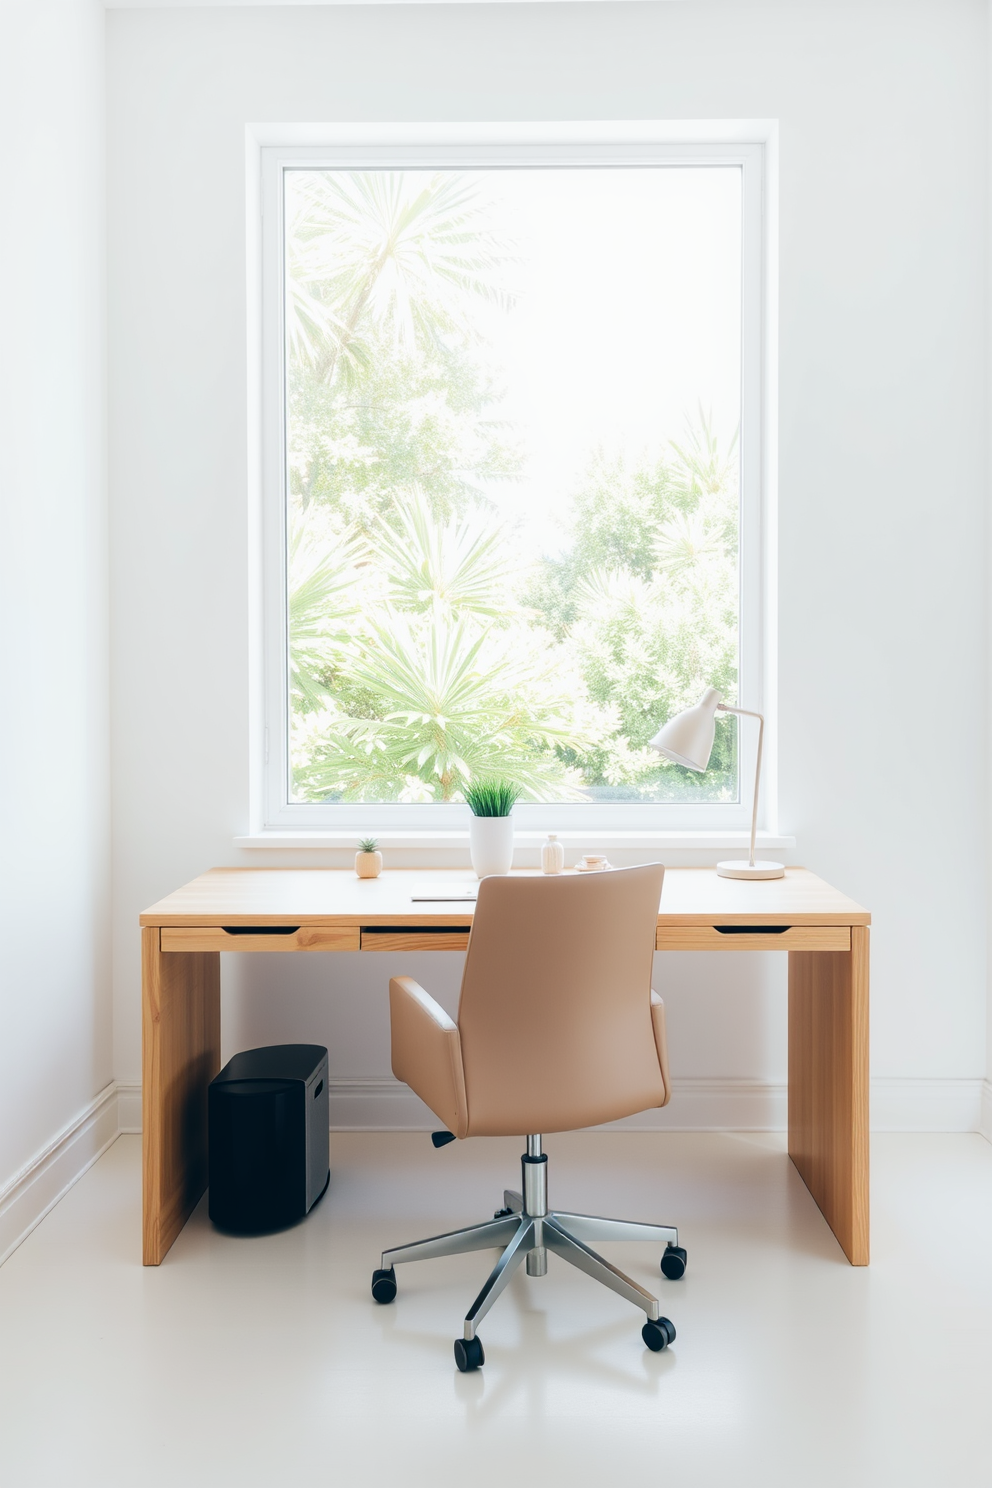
column 368, row 859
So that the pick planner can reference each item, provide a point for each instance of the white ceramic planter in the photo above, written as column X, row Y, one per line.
column 490, row 840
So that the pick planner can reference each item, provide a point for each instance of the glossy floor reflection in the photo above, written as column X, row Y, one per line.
column 265, row 1361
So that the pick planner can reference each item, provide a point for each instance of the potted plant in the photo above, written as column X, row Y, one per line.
column 368, row 859
column 490, row 835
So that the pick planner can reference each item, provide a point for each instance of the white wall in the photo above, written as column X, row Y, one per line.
column 55, row 994
column 986, row 1118
column 883, row 141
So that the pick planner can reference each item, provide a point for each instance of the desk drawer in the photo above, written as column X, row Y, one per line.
column 753, row 938
column 374, row 939
column 262, row 938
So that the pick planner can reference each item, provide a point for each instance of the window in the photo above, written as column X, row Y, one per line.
column 512, row 434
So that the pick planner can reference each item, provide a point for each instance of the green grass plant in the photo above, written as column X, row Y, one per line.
column 491, row 797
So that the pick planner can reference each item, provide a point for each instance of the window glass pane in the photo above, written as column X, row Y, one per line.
column 512, row 408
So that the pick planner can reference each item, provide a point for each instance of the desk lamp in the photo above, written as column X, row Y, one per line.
column 687, row 739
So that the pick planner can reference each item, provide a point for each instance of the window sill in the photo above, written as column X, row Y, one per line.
column 422, row 848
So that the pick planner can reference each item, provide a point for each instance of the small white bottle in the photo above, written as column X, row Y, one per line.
column 552, row 855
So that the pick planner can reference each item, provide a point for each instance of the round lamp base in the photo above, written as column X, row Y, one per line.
column 750, row 870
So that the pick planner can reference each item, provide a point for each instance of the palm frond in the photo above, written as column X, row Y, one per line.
column 455, row 566
column 701, row 466
column 611, row 590
column 687, row 541
column 460, row 701
column 403, row 248
column 322, row 606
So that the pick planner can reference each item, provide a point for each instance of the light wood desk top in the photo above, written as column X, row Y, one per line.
column 336, row 897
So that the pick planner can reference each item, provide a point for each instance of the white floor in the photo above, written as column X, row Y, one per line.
column 265, row 1361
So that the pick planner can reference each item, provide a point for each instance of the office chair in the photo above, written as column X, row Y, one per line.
column 558, row 1028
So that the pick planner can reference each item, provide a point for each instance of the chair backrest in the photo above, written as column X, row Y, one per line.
column 555, row 1009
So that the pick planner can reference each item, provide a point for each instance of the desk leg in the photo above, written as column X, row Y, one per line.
column 180, row 1037
column 828, row 1085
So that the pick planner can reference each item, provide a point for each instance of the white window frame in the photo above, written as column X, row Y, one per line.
column 273, row 151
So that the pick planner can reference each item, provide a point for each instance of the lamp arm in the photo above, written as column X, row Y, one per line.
column 746, row 713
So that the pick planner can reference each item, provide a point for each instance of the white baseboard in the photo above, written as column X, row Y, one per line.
column 380, row 1103
column 716, row 1105
column 926, row 1105
column 37, row 1188
column 376, row 1103
column 985, row 1121
column 128, row 1109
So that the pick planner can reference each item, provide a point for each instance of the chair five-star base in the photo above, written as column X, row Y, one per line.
column 527, row 1230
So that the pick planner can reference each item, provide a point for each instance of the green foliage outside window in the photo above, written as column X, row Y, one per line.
column 428, row 650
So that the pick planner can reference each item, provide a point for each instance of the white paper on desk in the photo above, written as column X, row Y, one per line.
column 448, row 893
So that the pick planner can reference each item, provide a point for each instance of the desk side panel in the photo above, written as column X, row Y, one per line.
column 828, row 1086
column 180, row 1028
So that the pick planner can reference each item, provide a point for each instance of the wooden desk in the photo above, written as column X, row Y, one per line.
column 320, row 909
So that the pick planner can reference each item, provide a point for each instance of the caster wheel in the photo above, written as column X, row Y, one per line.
column 469, row 1354
column 502, row 1213
column 658, row 1335
column 673, row 1262
column 384, row 1285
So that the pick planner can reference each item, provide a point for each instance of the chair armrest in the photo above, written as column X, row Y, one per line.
column 427, row 1052
column 661, row 1042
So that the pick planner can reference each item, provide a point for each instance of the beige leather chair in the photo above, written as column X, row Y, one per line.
column 558, row 1028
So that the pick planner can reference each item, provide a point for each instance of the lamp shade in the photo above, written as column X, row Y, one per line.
column 687, row 739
